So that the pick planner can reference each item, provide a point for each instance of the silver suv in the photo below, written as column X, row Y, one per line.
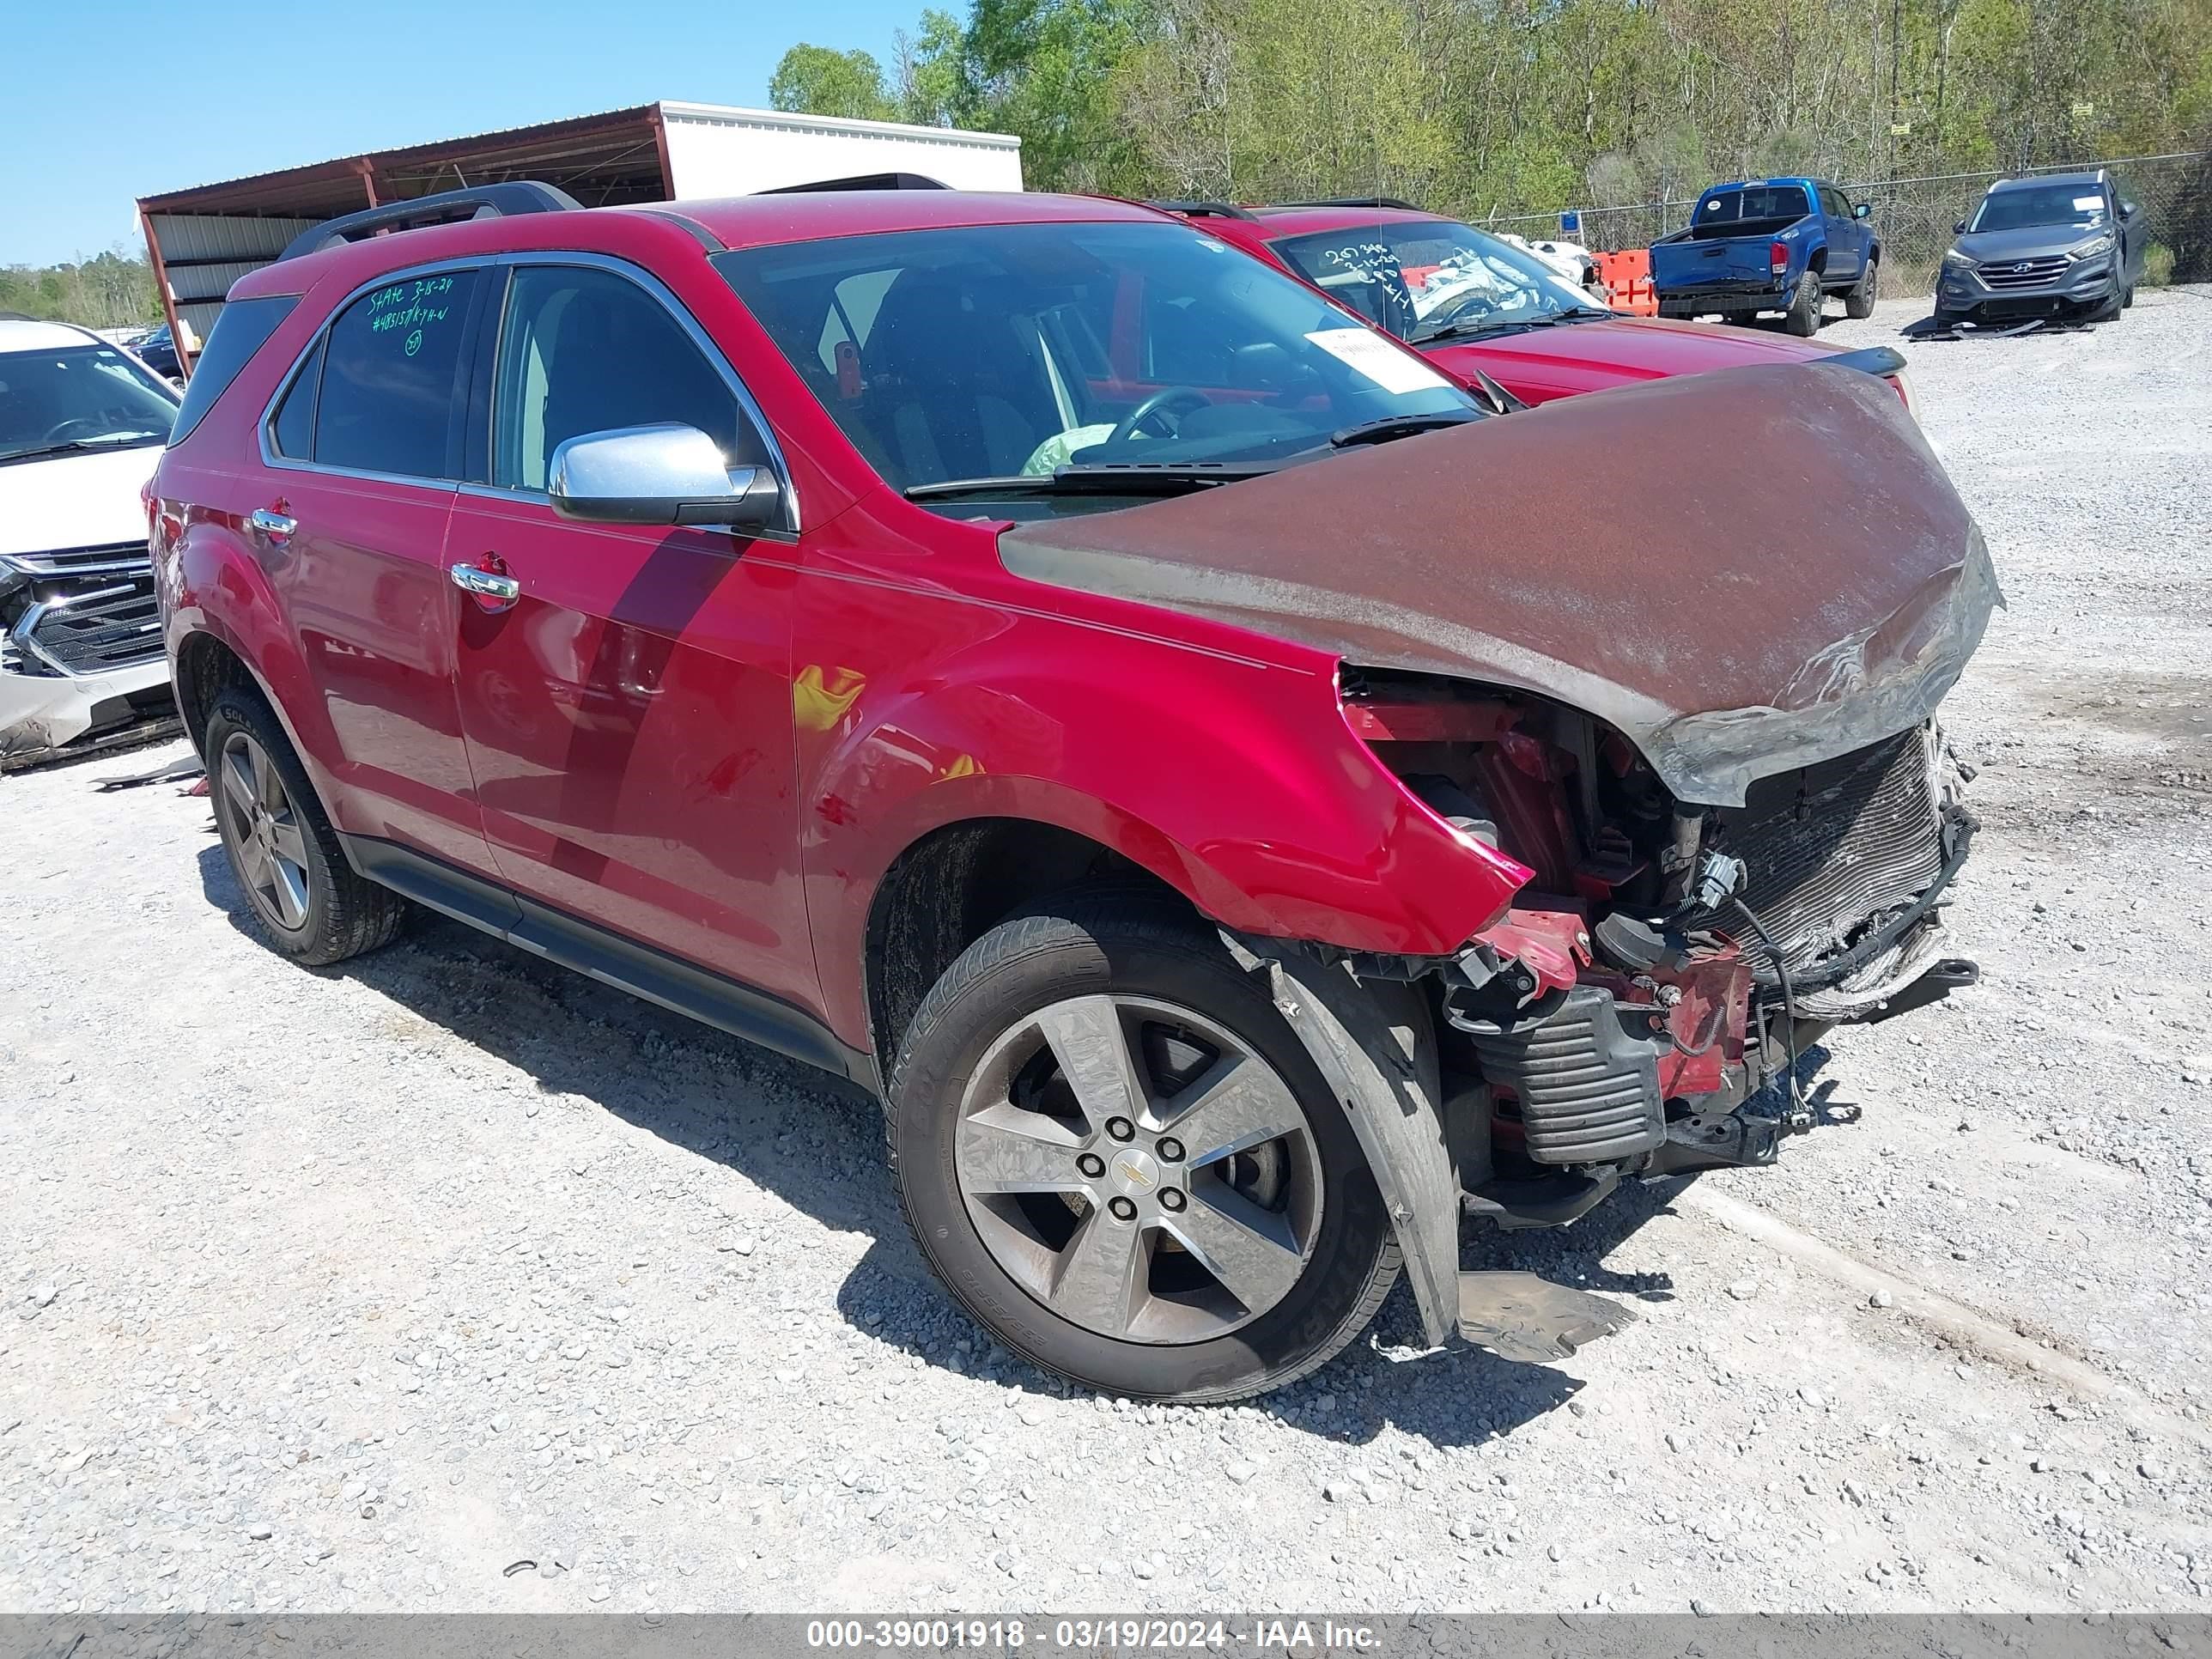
column 2065, row 244
column 82, row 425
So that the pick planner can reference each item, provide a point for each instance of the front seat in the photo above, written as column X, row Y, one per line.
column 952, row 394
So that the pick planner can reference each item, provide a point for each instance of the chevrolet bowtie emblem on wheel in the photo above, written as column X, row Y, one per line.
column 1136, row 1172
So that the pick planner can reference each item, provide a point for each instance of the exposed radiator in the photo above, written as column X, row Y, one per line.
column 1828, row 848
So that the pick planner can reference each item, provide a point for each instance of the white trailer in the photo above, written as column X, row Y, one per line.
column 201, row 239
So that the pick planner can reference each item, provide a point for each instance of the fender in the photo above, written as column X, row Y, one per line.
column 211, row 583
column 1371, row 1039
column 1234, row 780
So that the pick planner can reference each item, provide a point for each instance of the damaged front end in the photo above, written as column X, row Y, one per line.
column 1708, row 753
column 1663, row 964
column 81, row 658
column 1664, row 960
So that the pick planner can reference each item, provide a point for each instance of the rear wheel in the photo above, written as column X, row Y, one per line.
column 1859, row 302
column 1803, row 317
column 1118, row 1157
column 310, row 904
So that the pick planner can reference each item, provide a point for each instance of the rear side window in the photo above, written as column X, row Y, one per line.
column 391, row 376
column 292, row 433
column 242, row 329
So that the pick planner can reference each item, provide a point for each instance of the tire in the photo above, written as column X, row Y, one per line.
column 306, row 900
column 1126, row 964
column 2128, row 297
column 1858, row 303
column 1803, row 317
column 2109, row 312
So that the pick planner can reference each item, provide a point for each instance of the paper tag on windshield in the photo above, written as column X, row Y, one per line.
column 2088, row 204
column 1387, row 365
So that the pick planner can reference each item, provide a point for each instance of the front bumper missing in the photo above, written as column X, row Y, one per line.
column 1366, row 1036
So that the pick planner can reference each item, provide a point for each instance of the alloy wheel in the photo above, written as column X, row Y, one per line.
column 265, row 833
column 1138, row 1170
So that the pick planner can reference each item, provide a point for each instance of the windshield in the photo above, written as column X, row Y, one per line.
column 1412, row 277
column 2080, row 206
column 1015, row 350
column 1754, row 201
column 79, row 395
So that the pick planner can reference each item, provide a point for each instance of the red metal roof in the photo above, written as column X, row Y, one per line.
column 613, row 156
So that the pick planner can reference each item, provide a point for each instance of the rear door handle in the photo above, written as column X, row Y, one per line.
column 486, row 583
column 272, row 524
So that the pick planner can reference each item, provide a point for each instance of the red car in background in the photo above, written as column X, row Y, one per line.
column 1473, row 301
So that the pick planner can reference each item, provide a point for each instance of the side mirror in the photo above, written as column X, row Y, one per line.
column 1863, row 210
column 1959, row 229
column 667, row 474
column 2128, row 210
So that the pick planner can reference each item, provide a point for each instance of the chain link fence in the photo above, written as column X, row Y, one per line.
column 1916, row 215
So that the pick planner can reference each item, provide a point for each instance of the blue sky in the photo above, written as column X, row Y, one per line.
column 93, row 115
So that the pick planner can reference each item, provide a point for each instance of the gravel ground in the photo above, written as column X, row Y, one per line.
column 450, row 1280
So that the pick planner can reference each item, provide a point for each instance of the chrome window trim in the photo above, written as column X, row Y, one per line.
column 645, row 280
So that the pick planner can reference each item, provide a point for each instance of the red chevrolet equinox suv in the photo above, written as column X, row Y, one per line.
column 1245, row 804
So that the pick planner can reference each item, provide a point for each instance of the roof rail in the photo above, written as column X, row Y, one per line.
column 447, row 207
column 1204, row 210
column 861, row 181
column 1356, row 201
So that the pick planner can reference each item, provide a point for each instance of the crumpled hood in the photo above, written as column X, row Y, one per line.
column 1742, row 572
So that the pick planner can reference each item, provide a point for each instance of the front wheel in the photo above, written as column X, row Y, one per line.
column 1858, row 303
column 1117, row 1154
column 1803, row 317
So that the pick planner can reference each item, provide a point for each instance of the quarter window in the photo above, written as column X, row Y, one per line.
column 391, row 376
column 293, row 432
column 240, row 329
column 586, row 350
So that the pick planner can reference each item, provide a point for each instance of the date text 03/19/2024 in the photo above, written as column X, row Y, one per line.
column 1290, row 1635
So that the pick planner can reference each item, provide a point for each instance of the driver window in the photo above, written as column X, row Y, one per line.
column 586, row 350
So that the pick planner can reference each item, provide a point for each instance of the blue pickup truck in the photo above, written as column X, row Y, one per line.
column 1769, row 244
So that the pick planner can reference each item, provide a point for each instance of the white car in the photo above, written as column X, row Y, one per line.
column 82, row 425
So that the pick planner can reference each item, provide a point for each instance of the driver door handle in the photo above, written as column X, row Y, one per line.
column 486, row 583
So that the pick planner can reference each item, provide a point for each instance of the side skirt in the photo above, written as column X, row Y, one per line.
column 612, row 958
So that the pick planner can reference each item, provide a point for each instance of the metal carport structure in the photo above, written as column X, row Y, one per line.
column 201, row 239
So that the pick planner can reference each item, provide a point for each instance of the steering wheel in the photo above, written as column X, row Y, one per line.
column 1449, row 311
column 68, row 429
column 1160, row 402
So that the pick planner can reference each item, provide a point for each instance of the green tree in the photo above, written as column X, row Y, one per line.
column 934, row 87
column 812, row 80
column 112, row 289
